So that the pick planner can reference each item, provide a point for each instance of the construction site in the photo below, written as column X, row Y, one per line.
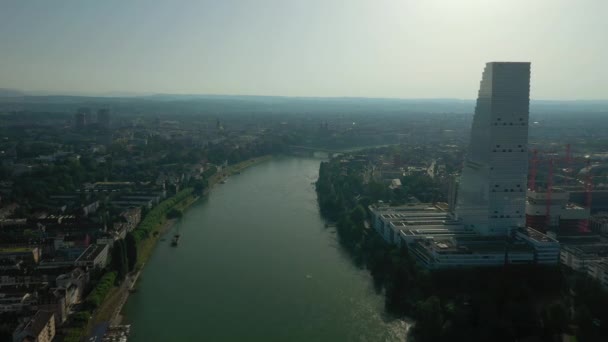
column 567, row 199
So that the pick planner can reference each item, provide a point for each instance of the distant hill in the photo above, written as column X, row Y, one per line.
column 194, row 104
column 5, row 92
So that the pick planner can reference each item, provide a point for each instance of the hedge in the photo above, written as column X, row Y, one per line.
column 157, row 214
column 100, row 291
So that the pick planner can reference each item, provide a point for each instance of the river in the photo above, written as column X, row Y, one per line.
column 256, row 263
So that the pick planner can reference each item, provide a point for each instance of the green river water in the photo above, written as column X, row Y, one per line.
column 256, row 263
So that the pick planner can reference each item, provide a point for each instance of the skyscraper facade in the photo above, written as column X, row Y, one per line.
column 492, row 191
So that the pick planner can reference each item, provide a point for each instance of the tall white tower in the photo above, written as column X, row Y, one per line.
column 491, row 196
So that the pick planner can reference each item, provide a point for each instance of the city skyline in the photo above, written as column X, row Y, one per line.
column 318, row 49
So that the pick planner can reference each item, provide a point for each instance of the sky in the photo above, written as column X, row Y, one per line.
column 353, row 48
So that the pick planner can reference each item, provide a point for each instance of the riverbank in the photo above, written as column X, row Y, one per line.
column 231, row 170
column 312, row 293
column 146, row 247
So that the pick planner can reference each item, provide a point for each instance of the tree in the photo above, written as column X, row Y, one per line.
column 429, row 320
column 119, row 263
column 131, row 251
column 555, row 319
column 199, row 188
column 358, row 214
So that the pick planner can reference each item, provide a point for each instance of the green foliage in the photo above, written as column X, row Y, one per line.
column 100, row 291
column 199, row 187
column 119, row 260
column 209, row 172
column 74, row 334
column 131, row 251
column 174, row 213
column 157, row 215
column 81, row 319
column 430, row 319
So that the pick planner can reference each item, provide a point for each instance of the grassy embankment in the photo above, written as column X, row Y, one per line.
column 234, row 169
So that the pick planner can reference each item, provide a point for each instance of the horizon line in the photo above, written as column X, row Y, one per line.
column 132, row 94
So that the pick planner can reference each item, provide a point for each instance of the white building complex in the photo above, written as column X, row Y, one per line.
column 487, row 227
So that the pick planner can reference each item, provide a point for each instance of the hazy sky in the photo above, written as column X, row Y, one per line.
column 372, row 48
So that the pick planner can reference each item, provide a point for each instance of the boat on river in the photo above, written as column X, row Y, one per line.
column 176, row 237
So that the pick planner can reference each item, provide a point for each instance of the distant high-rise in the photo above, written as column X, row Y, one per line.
column 103, row 118
column 82, row 118
column 492, row 192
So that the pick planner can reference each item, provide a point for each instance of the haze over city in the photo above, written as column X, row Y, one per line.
column 402, row 49
column 323, row 170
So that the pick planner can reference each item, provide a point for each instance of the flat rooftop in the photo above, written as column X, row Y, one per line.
column 397, row 216
column 536, row 235
column 436, row 231
column 91, row 252
column 384, row 208
column 16, row 249
column 597, row 249
column 459, row 246
column 426, row 222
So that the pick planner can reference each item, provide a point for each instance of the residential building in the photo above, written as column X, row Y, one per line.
column 94, row 256
column 599, row 223
column 599, row 271
column 579, row 257
column 40, row 328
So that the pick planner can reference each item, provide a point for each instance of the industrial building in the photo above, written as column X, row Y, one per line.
column 553, row 211
column 438, row 240
column 487, row 226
